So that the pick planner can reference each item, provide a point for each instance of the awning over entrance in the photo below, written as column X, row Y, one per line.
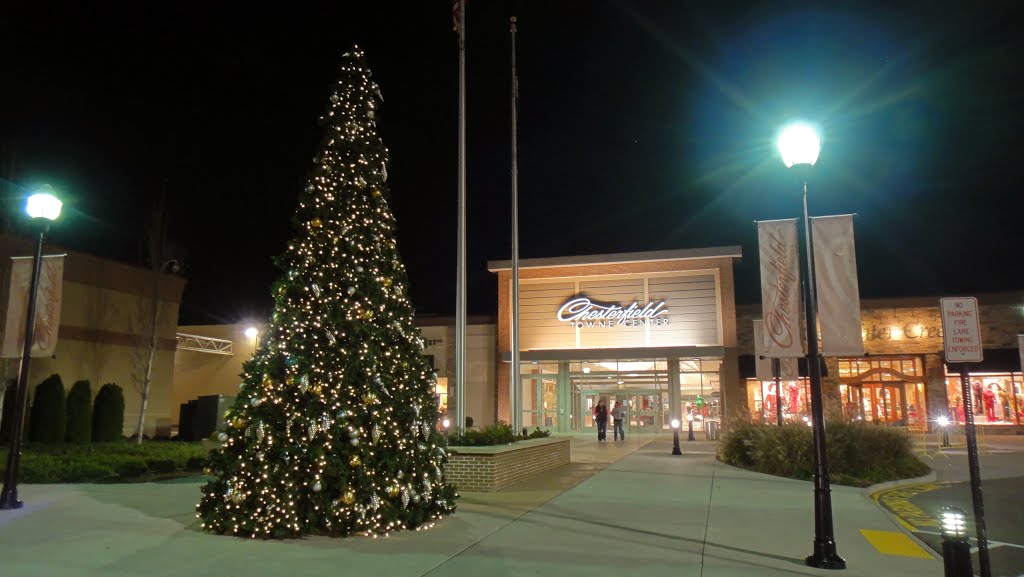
column 622, row 354
column 747, row 367
column 993, row 361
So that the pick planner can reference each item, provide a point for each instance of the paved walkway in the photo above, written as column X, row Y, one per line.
column 627, row 509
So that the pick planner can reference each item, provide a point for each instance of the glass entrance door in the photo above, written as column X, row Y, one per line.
column 884, row 402
column 644, row 412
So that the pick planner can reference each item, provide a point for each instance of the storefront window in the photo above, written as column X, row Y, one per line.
column 764, row 400
column 996, row 398
column 883, row 390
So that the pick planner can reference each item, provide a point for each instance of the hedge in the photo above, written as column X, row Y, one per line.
column 79, row 411
column 108, row 414
column 859, row 454
column 497, row 434
column 119, row 461
column 49, row 414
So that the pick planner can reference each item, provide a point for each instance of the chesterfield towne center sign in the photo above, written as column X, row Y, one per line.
column 584, row 313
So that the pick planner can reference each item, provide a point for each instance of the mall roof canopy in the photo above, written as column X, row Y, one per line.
column 622, row 257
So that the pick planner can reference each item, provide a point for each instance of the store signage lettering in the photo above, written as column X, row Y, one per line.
column 584, row 313
column 909, row 330
column 779, row 315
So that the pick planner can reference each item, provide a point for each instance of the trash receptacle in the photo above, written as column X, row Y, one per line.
column 711, row 430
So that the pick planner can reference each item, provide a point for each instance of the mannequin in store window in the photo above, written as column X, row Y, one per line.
column 990, row 403
column 794, row 397
column 769, row 402
column 1004, row 400
column 979, row 401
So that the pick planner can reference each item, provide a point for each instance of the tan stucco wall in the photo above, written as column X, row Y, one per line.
column 105, row 329
column 197, row 374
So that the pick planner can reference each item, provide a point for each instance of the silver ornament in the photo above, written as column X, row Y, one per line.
column 359, row 268
column 316, row 290
column 416, row 408
column 311, row 431
column 426, row 486
column 317, row 487
column 304, row 383
column 223, row 437
column 405, row 497
column 415, row 498
column 325, row 422
column 259, row 455
column 421, row 446
column 259, row 432
column 425, row 428
column 351, row 290
column 400, row 474
column 376, row 433
column 374, row 501
column 354, row 441
column 384, row 173
column 255, row 401
column 331, row 339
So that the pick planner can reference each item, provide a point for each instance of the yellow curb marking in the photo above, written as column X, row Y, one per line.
column 893, row 543
column 908, row 514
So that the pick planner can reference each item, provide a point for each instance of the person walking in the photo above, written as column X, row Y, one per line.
column 601, row 418
column 618, row 413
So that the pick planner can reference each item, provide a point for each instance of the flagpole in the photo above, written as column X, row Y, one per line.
column 515, row 386
column 460, row 294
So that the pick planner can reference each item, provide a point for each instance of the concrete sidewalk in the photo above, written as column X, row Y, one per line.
column 629, row 508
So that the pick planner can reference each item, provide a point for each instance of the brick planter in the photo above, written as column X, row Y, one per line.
column 491, row 469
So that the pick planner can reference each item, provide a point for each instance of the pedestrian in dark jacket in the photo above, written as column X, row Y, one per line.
column 601, row 418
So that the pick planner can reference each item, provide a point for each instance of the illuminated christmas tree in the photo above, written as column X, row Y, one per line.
column 333, row 431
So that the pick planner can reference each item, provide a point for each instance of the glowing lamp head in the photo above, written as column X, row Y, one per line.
column 44, row 204
column 942, row 421
column 799, row 144
column 446, row 423
column 675, row 423
column 251, row 332
column 954, row 524
column 586, row 370
column 689, row 417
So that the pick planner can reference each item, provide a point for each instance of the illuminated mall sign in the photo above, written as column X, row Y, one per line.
column 584, row 313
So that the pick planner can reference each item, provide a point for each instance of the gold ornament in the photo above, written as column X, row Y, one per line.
column 291, row 380
column 376, row 194
column 369, row 398
column 355, row 461
column 349, row 497
column 238, row 423
column 367, row 315
column 316, row 223
column 387, row 282
column 393, row 490
column 318, row 389
column 268, row 383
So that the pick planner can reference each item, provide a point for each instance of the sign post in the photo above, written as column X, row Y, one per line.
column 961, row 333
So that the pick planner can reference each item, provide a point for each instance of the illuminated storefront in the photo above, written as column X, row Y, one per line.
column 902, row 380
column 653, row 331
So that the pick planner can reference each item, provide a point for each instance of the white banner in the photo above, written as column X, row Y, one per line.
column 762, row 364
column 835, row 269
column 789, row 369
column 780, row 288
column 48, row 301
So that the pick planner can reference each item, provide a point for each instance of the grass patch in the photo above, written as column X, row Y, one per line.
column 115, row 461
column 859, row 455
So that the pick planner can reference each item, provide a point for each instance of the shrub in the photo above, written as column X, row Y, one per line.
column 195, row 463
column 48, row 417
column 108, row 414
column 161, row 465
column 858, row 454
column 497, row 434
column 79, row 411
column 7, row 416
column 98, row 462
column 131, row 467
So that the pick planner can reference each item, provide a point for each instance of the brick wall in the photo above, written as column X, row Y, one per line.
column 488, row 472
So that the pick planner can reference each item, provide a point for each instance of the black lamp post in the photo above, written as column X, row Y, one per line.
column 43, row 207
column 675, row 437
column 799, row 145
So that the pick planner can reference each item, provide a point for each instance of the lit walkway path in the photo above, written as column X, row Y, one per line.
column 647, row 513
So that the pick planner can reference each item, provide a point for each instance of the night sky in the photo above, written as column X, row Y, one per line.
column 643, row 126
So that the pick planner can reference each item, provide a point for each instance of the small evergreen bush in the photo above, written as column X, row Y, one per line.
column 48, row 417
column 7, row 416
column 859, row 454
column 497, row 434
column 79, row 411
column 108, row 414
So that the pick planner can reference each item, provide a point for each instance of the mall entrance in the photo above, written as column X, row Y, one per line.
column 561, row 396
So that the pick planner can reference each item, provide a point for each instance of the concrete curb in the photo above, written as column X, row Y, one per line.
column 868, row 493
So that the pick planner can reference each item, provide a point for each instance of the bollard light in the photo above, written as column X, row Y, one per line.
column 675, row 437
column 954, row 524
column 689, row 423
column 943, row 423
column 446, row 424
column 956, row 547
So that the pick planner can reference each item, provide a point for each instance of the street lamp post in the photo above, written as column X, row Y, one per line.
column 689, row 424
column 44, row 208
column 799, row 145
